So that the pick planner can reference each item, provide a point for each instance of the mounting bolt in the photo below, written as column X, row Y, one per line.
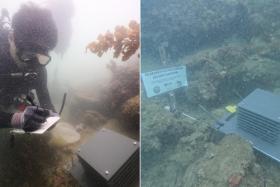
column 107, row 172
column 134, row 143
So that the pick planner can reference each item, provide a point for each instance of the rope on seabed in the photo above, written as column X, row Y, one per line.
column 189, row 116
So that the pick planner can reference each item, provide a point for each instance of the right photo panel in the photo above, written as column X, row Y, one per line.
column 210, row 93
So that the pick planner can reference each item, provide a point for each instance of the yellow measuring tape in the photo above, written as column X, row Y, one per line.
column 231, row 108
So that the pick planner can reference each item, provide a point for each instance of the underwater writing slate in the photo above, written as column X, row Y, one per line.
column 45, row 126
column 164, row 80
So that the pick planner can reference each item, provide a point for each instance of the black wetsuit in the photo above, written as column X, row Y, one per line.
column 12, row 84
column 5, row 119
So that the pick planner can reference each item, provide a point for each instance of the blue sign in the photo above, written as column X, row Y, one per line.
column 164, row 80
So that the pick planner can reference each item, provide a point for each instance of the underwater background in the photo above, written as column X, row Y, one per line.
column 229, row 48
column 102, row 91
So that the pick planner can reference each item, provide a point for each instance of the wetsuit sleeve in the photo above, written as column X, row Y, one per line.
column 43, row 92
column 5, row 119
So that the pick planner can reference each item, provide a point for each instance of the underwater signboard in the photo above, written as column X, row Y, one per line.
column 164, row 80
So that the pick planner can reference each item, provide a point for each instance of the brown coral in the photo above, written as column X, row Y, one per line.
column 124, row 41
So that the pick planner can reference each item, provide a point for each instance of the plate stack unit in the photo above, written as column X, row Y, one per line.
column 259, row 114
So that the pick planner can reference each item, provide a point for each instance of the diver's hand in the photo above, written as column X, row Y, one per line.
column 52, row 114
column 30, row 119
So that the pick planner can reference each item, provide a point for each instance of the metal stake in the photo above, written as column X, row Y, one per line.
column 172, row 102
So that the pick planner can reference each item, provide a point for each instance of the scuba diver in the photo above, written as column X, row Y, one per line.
column 24, row 53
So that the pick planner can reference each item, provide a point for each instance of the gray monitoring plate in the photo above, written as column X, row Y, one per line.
column 263, row 103
column 257, row 114
column 109, row 158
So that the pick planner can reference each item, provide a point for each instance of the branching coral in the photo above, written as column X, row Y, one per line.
column 124, row 41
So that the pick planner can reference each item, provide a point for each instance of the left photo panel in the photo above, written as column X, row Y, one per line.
column 69, row 93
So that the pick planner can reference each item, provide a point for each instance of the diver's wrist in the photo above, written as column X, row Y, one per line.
column 16, row 121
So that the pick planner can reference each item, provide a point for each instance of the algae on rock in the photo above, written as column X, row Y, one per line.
column 232, row 156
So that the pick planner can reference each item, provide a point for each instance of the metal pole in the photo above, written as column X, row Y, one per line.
column 172, row 102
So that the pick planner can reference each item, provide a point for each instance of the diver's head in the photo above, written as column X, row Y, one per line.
column 34, row 36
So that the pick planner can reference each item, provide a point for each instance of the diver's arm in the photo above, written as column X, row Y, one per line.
column 43, row 92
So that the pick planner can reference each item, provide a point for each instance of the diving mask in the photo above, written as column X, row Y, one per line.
column 27, row 57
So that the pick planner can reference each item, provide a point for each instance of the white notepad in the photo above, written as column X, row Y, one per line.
column 45, row 126
column 48, row 124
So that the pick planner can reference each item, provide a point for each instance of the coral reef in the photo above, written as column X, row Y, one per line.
column 190, row 25
column 228, row 68
column 160, row 129
column 123, row 86
column 218, row 168
column 130, row 110
column 121, row 96
column 192, row 159
column 230, row 48
column 174, row 142
column 164, row 133
column 32, row 162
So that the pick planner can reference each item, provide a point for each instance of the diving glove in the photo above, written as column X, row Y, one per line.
column 30, row 119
